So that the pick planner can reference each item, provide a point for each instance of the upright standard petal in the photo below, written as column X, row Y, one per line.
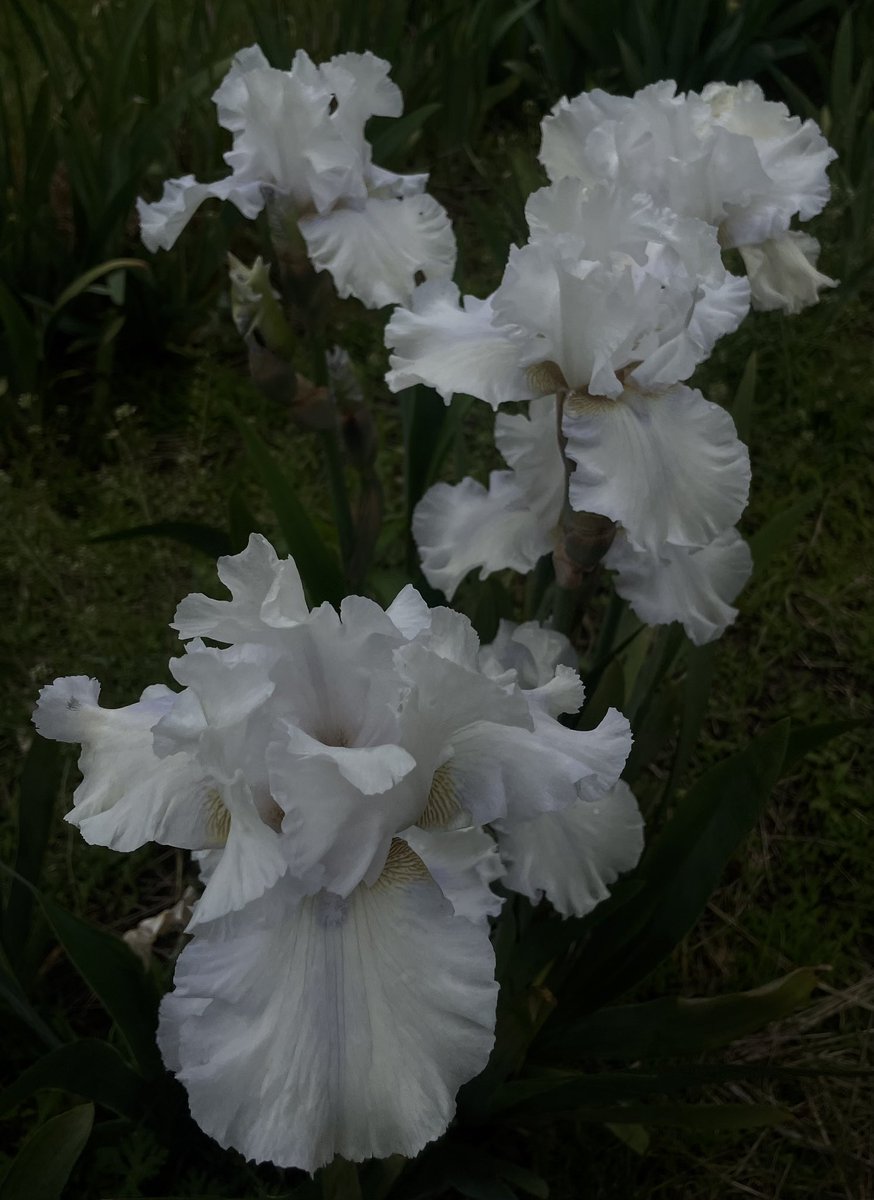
column 532, row 651
column 266, row 595
column 572, row 857
column 453, row 347
column 308, row 1029
column 694, row 587
column 668, row 467
column 783, row 274
column 793, row 154
column 361, row 85
column 375, row 251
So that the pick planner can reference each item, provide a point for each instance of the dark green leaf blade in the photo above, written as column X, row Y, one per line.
column 682, row 868
column 38, row 790
column 208, row 539
column 88, row 1068
column 691, row 1116
column 674, row 1025
column 318, row 565
column 116, row 976
column 43, row 1165
column 779, row 532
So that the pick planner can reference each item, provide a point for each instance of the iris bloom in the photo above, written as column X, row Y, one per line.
column 572, row 855
column 298, row 140
column 727, row 156
column 338, row 775
column 610, row 305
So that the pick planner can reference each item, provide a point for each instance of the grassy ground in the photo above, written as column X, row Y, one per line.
column 801, row 893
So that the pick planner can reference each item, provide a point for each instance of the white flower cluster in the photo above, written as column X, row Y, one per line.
column 619, row 293
column 298, row 139
column 727, row 156
column 353, row 783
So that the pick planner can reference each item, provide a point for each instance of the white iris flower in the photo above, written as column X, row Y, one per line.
column 727, row 156
column 570, row 856
column 298, row 137
column 514, row 521
column 610, row 304
column 338, row 775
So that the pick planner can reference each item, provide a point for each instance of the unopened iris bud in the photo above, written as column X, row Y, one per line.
column 255, row 307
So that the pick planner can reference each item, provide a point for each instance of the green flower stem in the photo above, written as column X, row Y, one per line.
column 339, row 493
column 564, row 608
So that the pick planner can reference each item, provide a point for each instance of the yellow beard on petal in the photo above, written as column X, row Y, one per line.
column 402, row 866
column 442, row 810
column 218, row 818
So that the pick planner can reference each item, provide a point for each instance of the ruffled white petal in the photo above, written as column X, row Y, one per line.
column 409, row 612
column 572, row 857
column 532, row 651
column 230, row 95
column 127, row 796
column 376, row 251
column 229, row 685
column 370, row 769
column 694, row 587
column 162, row 221
column 453, row 347
column 251, row 861
column 783, row 273
column 565, row 131
column 668, row 467
column 727, row 156
column 793, row 155
column 285, row 137
column 338, row 762
column 467, row 526
column 266, row 595
column 381, row 182
column 463, row 863
column 587, row 317
column 305, row 1030
column 501, row 773
column 362, row 89
column 678, row 297
column 529, row 446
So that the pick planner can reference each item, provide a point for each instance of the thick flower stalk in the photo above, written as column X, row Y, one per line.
column 299, row 145
column 727, row 156
column 608, row 308
column 343, row 778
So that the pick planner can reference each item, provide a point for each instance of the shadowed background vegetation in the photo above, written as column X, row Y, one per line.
column 117, row 370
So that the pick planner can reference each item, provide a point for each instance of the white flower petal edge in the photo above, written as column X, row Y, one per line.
column 668, row 467
column 308, row 1029
column 463, row 863
column 466, row 526
column 694, row 587
column 375, row 252
column 162, row 221
column 532, row 651
column 783, row 273
column 266, row 595
column 794, row 156
column 453, row 346
column 573, row 856
column 127, row 796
